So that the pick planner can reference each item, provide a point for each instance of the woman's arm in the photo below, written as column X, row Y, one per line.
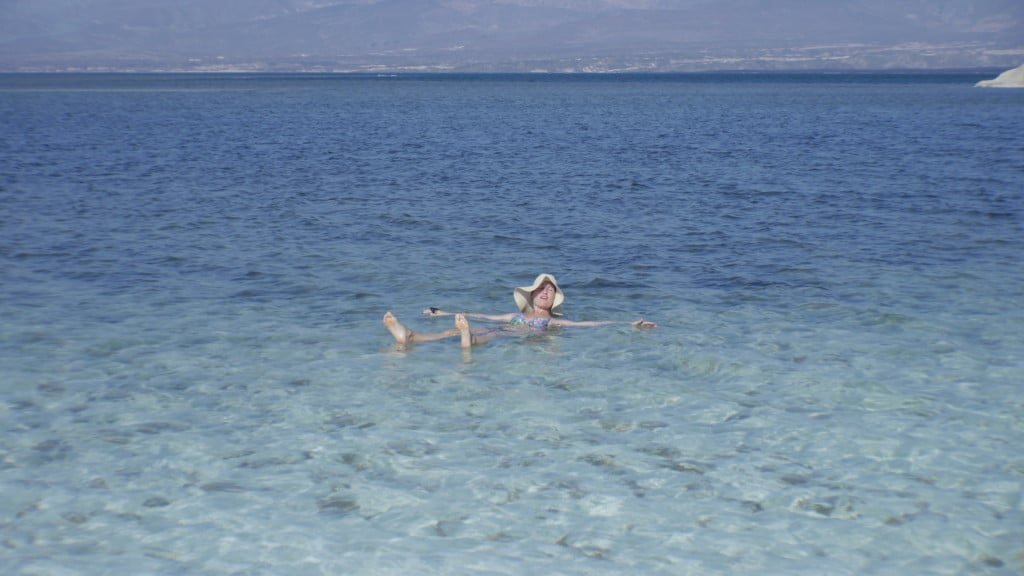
column 432, row 311
column 638, row 323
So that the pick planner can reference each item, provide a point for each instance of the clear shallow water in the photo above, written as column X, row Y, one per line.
column 194, row 377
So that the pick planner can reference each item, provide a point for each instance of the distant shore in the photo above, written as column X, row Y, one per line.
column 976, row 71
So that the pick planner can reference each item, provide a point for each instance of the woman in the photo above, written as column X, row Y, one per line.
column 540, row 307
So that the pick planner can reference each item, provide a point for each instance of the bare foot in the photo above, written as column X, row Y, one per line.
column 400, row 332
column 463, row 326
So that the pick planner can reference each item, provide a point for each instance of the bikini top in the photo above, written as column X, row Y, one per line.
column 534, row 323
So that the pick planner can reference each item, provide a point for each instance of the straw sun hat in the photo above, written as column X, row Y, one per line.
column 525, row 302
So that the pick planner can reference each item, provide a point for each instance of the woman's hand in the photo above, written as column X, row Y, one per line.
column 643, row 324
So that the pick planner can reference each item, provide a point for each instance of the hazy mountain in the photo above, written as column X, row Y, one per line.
column 508, row 34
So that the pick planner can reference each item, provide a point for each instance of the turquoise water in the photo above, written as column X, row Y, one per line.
column 194, row 378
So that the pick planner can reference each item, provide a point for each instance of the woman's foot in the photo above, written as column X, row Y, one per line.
column 463, row 327
column 400, row 332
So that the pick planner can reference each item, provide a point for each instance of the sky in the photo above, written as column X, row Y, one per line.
column 508, row 35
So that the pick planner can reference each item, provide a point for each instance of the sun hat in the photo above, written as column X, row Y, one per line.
column 524, row 300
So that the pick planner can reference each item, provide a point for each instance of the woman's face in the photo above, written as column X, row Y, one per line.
column 544, row 297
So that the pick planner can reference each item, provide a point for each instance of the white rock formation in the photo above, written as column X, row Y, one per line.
column 1009, row 79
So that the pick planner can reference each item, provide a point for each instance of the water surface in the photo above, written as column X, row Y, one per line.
column 194, row 377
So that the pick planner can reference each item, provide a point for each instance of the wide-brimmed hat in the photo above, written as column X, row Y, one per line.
column 524, row 300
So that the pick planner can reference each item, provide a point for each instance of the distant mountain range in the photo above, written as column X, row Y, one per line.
column 508, row 35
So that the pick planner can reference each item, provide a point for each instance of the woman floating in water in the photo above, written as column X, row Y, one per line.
column 540, row 307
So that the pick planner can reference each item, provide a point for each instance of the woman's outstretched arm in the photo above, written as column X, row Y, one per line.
column 432, row 311
column 638, row 323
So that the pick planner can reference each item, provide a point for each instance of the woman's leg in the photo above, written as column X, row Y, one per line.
column 404, row 335
column 462, row 325
column 470, row 339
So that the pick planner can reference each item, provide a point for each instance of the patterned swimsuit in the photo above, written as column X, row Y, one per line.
column 534, row 323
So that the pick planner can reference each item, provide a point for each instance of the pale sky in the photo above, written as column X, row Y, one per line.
column 448, row 34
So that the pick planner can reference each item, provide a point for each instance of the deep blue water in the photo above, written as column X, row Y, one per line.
column 194, row 377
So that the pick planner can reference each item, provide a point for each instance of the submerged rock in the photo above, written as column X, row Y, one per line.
column 1010, row 79
column 338, row 505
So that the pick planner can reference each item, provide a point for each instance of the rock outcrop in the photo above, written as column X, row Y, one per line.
column 1009, row 79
